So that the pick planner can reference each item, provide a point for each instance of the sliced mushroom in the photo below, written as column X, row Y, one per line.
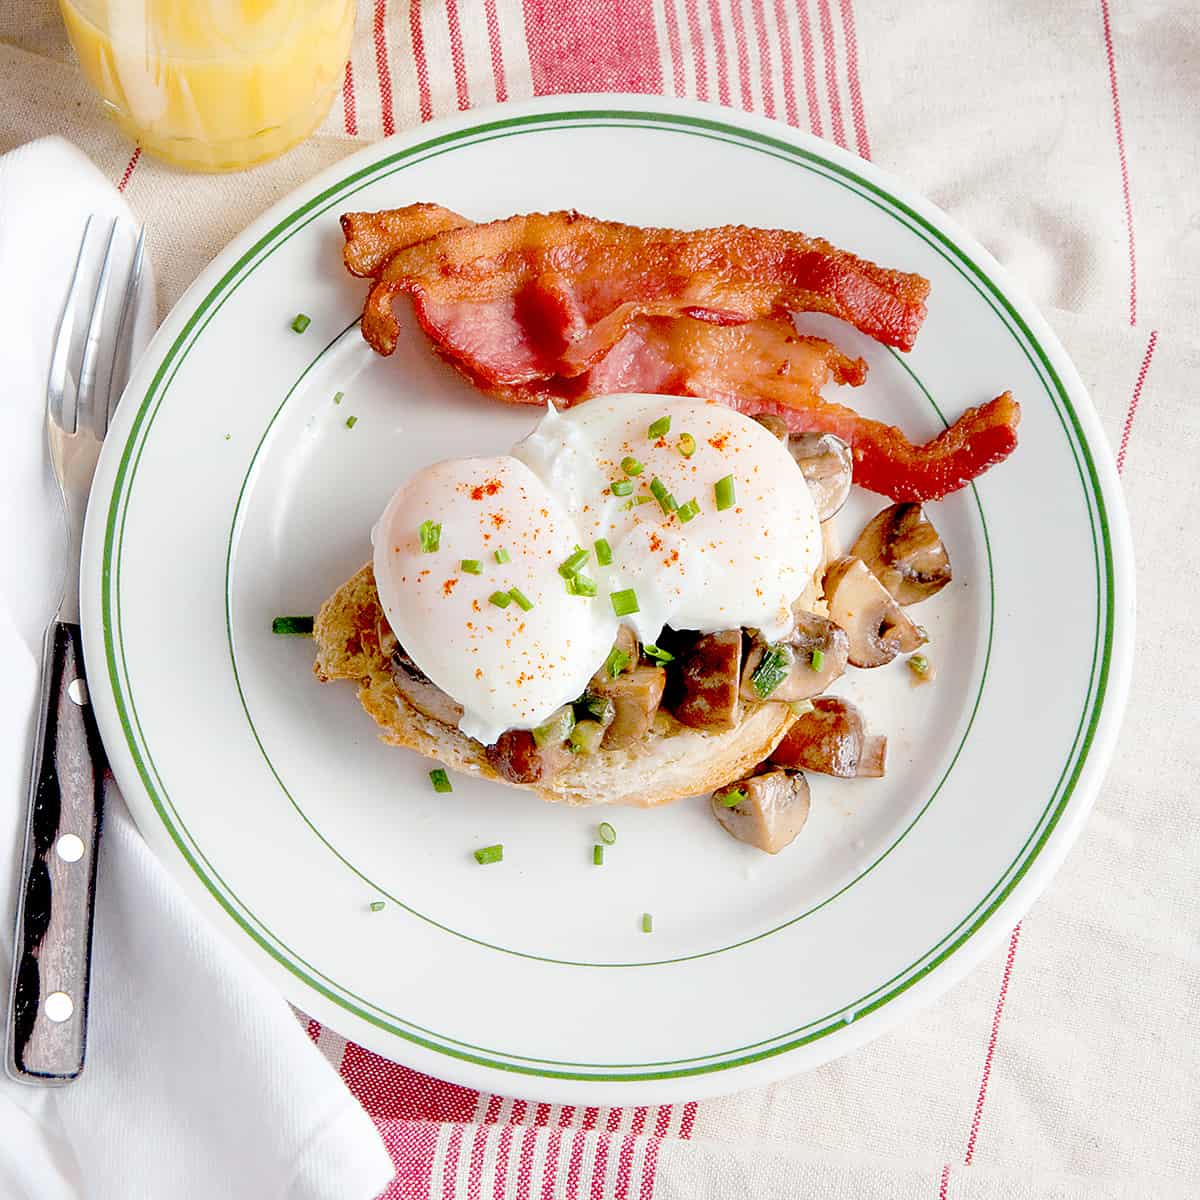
column 833, row 740
column 827, row 466
column 706, row 684
column 876, row 625
column 768, row 810
column 903, row 551
column 421, row 692
column 814, row 655
column 636, row 695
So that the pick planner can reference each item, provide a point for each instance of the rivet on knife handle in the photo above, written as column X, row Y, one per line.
column 47, row 1028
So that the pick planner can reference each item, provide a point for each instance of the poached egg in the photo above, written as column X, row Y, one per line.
column 708, row 523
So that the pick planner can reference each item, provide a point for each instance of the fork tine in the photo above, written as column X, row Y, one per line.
column 86, row 409
column 118, row 368
column 56, row 382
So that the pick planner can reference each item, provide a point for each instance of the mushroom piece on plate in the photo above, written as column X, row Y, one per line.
column 833, row 740
column 766, row 811
column 903, row 551
column 876, row 625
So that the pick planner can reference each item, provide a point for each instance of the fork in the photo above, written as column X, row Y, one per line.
column 47, row 1025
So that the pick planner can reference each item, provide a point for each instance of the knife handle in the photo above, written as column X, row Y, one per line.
column 47, row 1026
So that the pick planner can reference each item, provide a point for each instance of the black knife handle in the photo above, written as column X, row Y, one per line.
column 47, row 1027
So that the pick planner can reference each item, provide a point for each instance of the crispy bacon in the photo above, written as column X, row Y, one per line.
column 567, row 286
column 562, row 307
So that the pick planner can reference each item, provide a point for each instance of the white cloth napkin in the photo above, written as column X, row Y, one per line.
column 200, row 1082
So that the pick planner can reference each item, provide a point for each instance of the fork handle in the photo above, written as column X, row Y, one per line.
column 47, row 1029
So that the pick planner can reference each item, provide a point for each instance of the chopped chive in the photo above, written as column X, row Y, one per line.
column 688, row 511
column 471, row 566
column 918, row 664
column 294, row 626
column 581, row 585
column 570, row 566
column 228, row 436
column 501, row 555
column 665, row 499
column 621, row 487
column 557, row 729
column 643, row 499
column 631, row 466
column 647, row 922
column 659, row 428
column 607, row 833
column 723, row 490
column 616, row 662
column 801, row 708
column 440, row 780
column 523, row 602
column 603, row 551
column 377, row 906
column 687, row 445
column 597, row 855
column 624, row 602
column 771, row 671
column 659, row 656
column 500, row 599
column 351, row 422
column 337, row 397
column 920, row 628
column 430, row 533
column 489, row 854
column 818, row 659
column 300, row 322
column 732, row 797
column 600, row 707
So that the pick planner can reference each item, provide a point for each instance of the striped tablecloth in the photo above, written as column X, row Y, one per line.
column 1064, row 136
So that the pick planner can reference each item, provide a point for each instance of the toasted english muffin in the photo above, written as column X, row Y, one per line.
column 669, row 763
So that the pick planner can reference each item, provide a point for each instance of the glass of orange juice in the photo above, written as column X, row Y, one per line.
column 213, row 85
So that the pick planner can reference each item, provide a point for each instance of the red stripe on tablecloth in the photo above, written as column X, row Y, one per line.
column 591, row 1117
column 497, row 49
column 313, row 1029
column 856, row 100
column 614, row 1120
column 382, row 68
column 1116, row 103
column 718, row 36
column 692, row 10
column 525, row 1163
column 550, row 1168
column 624, row 1166
column 945, row 1184
column 475, row 1170
column 492, row 1113
column 1133, row 403
column 810, row 68
column 450, row 1165
column 991, row 1046
column 457, row 59
column 663, row 1123
column 419, row 59
column 649, row 1170
column 389, row 1091
column 349, row 109
column 519, row 1109
column 541, row 1115
column 640, row 1113
column 601, row 46
column 743, row 54
column 412, row 1146
column 575, row 1163
column 671, row 20
column 689, row 1119
column 831, row 75
column 766, row 71
column 785, row 56
column 600, row 1170
column 502, row 1149
column 129, row 168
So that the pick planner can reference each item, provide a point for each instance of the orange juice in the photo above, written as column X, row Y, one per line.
column 213, row 85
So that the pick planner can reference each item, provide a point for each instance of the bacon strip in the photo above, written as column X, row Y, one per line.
column 561, row 307
column 571, row 285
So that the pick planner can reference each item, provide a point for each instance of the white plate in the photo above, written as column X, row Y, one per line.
column 231, row 490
